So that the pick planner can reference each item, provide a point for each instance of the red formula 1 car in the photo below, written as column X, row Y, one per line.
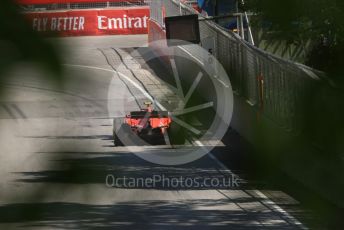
column 147, row 122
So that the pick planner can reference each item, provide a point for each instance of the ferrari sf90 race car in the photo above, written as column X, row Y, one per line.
column 146, row 123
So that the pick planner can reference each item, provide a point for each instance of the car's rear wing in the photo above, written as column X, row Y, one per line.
column 153, row 114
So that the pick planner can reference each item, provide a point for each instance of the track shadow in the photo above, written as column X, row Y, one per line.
column 95, row 168
column 81, row 137
column 198, row 214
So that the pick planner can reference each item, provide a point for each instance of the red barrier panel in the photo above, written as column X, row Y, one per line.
column 35, row 2
column 91, row 22
column 155, row 32
column 157, row 41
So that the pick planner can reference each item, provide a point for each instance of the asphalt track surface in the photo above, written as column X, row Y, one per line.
column 57, row 152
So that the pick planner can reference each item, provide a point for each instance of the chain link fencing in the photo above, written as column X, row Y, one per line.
column 271, row 85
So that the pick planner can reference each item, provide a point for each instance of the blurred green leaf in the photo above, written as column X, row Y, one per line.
column 320, row 21
column 18, row 42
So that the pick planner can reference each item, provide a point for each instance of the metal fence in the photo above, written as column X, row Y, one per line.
column 83, row 5
column 269, row 84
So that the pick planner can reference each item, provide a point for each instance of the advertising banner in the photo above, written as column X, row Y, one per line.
column 35, row 2
column 131, row 20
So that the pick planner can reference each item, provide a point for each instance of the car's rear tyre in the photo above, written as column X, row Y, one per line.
column 176, row 134
column 116, row 140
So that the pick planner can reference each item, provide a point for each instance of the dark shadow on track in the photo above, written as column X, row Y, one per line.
column 93, row 168
column 136, row 215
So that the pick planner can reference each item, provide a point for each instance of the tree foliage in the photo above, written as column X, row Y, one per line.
column 18, row 42
column 319, row 21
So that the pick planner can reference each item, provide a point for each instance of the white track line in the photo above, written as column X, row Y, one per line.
column 176, row 78
column 265, row 200
column 193, row 87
